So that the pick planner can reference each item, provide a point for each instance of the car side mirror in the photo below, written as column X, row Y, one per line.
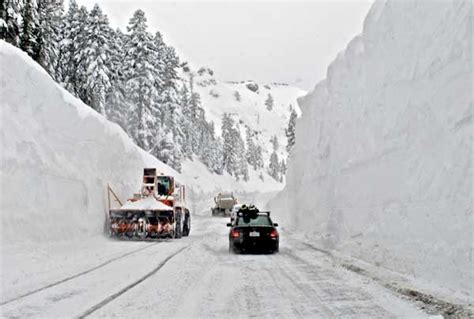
column 275, row 224
column 229, row 224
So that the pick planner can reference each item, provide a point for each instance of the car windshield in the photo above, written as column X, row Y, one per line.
column 259, row 220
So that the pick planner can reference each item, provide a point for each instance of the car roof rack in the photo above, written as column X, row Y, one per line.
column 252, row 212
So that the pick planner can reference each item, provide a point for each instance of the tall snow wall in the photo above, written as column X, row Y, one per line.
column 57, row 156
column 382, row 167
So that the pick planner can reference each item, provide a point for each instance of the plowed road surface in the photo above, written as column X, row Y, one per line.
column 192, row 277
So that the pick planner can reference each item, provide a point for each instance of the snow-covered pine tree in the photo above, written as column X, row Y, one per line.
column 229, row 156
column 234, row 153
column 269, row 102
column 184, row 102
column 116, row 105
column 251, row 154
column 50, row 13
column 166, row 151
column 177, row 158
column 29, row 27
column 259, row 157
column 237, row 96
column 243, row 164
column 274, row 169
column 283, row 167
column 206, row 133
column 140, row 74
column 216, row 151
column 274, row 141
column 95, row 59
column 72, row 46
column 159, row 63
column 173, row 118
column 290, row 130
column 171, row 63
column 117, row 40
column 10, row 21
column 199, row 135
column 66, row 48
column 167, row 64
column 205, row 140
column 194, row 99
column 197, row 115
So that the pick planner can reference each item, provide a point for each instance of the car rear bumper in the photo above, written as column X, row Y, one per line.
column 270, row 244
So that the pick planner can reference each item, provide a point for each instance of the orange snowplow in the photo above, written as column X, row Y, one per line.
column 158, row 210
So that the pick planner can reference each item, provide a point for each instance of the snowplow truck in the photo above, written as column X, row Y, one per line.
column 223, row 204
column 158, row 211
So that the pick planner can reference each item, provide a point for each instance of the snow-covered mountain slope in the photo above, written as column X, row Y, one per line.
column 245, row 101
column 382, row 167
column 57, row 156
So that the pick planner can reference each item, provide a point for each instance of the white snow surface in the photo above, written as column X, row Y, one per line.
column 147, row 203
column 382, row 167
column 199, row 278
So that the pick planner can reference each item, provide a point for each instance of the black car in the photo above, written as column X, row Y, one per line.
column 253, row 232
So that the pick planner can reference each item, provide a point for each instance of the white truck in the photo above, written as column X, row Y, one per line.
column 223, row 204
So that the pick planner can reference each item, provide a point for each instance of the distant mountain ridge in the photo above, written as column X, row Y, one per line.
column 245, row 102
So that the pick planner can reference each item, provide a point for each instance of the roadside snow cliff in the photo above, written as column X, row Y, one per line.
column 57, row 156
column 382, row 167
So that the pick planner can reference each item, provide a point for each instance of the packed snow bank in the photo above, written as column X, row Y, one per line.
column 382, row 168
column 57, row 156
column 149, row 203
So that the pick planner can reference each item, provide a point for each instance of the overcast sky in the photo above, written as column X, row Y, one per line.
column 266, row 41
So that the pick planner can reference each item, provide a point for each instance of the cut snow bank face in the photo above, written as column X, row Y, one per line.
column 57, row 156
column 382, row 167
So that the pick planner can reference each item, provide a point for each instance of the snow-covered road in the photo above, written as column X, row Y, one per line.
column 197, row 277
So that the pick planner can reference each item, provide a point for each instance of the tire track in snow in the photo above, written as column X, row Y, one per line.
column 429, row 304
column 286, row 271
column 75, row 276
column 130, row 286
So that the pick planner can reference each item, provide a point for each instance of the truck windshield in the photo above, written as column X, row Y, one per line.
column 164, row 185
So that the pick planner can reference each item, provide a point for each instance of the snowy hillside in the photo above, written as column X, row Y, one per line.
column 382, row 168
column 246, row 102
column 57, row 157
column 138, row 81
